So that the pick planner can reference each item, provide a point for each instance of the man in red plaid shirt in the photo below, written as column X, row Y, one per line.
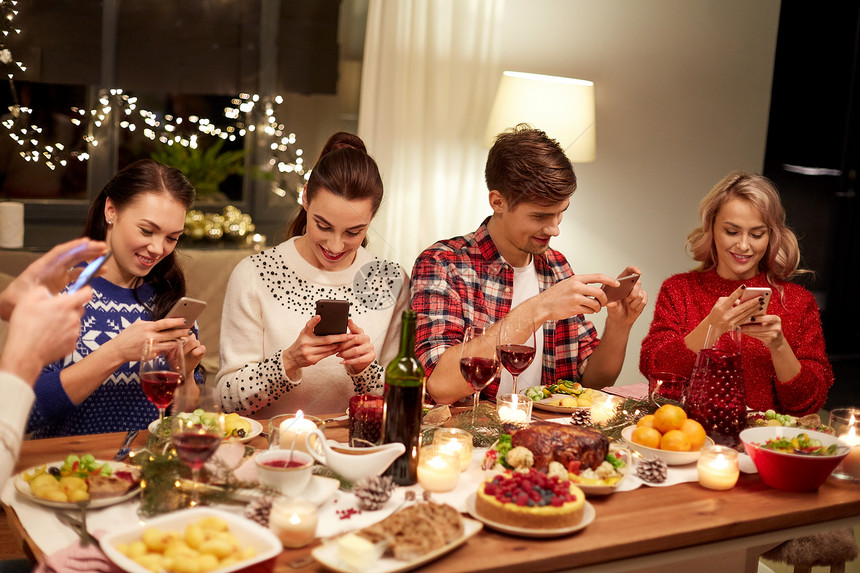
column 506, row 268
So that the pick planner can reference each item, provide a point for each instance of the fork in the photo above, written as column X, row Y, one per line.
column 79, row 526
column 125, row 449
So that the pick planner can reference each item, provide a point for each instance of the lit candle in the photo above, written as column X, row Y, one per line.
column 602, row 412
column 456, row 441
column 438, row 469
column 294, row 522
column 846, row 424
column 718, row 468
column 293, row 430
column 851, row 463
column 513, row 409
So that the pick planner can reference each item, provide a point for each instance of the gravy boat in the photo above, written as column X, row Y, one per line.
column 350, row 462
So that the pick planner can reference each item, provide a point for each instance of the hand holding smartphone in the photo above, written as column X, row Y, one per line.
column 334, row 315
column 750, row 293
column 187, row 308
column 623, row 290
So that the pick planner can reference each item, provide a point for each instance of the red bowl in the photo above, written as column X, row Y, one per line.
column 791, row 472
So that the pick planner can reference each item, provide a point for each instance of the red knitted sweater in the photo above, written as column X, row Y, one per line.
column 687, row 298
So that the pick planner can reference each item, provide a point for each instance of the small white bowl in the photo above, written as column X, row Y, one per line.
column 290, row 481
column 671, row 458
column 248, row 534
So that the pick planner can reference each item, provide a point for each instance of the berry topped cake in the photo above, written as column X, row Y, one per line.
column 530, row 499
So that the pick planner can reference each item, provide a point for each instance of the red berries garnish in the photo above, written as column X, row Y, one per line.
column 532, row 489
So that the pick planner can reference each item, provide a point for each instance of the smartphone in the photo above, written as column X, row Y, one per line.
column 187, row 308
column 757, row 292
column 89, row 273
column 623, row 290
column 335, row 315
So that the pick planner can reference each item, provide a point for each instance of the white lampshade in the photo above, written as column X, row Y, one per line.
column 562, row 107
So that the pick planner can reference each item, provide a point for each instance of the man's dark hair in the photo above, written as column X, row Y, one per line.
column 526, row 165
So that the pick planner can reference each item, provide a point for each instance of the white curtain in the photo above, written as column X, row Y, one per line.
column 430, row 72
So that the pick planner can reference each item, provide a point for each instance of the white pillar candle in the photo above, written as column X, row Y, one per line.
column 456, row 441
column 438, row 469
column 293, row 430
column 293, row 522
column 718, row 468
column 11, row 224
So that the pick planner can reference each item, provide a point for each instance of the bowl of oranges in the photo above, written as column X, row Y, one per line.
column 667, row 434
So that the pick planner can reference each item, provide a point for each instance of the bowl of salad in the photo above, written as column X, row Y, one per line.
column 793, row 459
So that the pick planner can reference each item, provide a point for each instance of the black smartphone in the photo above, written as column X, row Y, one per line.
column 334, row 314
column 623, row 290
column 89, row 273
column 188, row 308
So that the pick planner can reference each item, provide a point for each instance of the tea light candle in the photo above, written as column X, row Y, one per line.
column 718, row 468
column 294, row 522
column 846, row 423
column 293, row 431
column 514, row 409
column 603, row 411
column 851, row 463
column 438, row 469
column 456, row 441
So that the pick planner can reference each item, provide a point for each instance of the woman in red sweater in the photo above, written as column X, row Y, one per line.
column 743, row 242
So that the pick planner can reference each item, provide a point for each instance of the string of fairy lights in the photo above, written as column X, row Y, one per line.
column 247, row 114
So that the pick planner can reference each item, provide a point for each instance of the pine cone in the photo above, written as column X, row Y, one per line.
column 373, row 491
column 652, row 470
column 581, row 417
column 259, row 509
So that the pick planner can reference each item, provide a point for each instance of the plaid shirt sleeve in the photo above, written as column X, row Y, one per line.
column 440, row 310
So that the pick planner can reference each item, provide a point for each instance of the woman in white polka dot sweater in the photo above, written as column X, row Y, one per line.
column 271, row 362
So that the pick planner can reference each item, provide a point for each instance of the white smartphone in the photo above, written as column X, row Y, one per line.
column 757, row 292
column 89, row 273
column 623, row 290
column 187, row 308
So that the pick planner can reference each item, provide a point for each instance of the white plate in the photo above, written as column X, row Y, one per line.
column 600, row 397
column 671, row 458
column 327, row 554
column 588, row 515
column 247, row 532
column 24, row 488
column 256, row 429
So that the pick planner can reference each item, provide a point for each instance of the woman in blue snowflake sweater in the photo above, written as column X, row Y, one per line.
column 140, row 214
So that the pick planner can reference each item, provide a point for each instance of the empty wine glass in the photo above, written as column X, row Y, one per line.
column 162, row 370
column 196, row 429
column 516, row 345
column 478, row 362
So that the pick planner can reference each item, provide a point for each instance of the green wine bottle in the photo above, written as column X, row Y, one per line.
column 404, row 400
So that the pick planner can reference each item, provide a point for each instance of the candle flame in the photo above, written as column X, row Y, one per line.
column 720, row 462
column 295, row 518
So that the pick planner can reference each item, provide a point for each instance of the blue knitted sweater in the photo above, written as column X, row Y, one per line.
column 118, row 404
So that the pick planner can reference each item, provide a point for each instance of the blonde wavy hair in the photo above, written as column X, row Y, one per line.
column 782, row 259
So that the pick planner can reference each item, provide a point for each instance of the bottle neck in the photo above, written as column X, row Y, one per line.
column 407, row 336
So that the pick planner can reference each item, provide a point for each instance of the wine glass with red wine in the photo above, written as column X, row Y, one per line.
column 162, row 370
column 196, row 428
column 479, row 364
column 516, row 345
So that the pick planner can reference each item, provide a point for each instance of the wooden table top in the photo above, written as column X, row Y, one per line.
column 629, row 524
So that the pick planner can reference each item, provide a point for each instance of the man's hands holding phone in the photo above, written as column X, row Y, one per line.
column 587, row 294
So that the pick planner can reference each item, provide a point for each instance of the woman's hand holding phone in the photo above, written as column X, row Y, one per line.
column 356, row 353
column 128, row 343
column 308, row 348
